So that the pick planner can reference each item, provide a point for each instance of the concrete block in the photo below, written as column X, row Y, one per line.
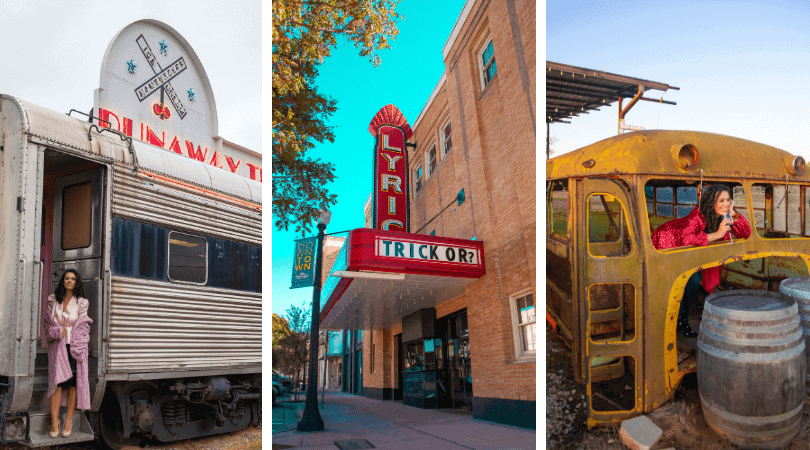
column 639, row 433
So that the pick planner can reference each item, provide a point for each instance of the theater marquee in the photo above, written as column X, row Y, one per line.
column 419, row 250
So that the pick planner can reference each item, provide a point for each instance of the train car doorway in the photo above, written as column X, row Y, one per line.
column 72, row 237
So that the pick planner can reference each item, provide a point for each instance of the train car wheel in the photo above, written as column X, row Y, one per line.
column 111, row 425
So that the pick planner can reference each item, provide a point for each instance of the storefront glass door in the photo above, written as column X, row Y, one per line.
column 457, row 373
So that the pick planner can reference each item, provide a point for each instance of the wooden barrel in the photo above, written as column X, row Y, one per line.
column 799, row 289
column 751, row 367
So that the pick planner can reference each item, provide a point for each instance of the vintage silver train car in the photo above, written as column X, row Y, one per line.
column 170, row 251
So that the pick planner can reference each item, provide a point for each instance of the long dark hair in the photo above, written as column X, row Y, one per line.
column 78, row 288
column 707, row 201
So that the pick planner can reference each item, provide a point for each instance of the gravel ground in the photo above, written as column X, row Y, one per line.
column 681, row 418
column 565, row 399
column 248, row 439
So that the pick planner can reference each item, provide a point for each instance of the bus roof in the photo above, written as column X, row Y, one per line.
column 656, row 152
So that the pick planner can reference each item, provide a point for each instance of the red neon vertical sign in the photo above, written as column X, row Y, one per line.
column 391, row 180
column 391, row 132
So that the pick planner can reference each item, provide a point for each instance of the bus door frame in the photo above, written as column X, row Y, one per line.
column 610, row 270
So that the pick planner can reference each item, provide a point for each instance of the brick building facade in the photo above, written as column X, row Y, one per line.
column 472, row 177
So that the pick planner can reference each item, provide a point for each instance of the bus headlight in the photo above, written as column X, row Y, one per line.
column 688, row 157
column 797, row 166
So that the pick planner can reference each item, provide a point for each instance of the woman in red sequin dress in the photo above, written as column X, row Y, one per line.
column 703, row 225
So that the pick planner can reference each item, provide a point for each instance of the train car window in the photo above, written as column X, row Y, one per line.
column 254, row 268
column 234, row 265
column 558, row 208
column 227, row 264
column 608, row 234
column 187, row 258
column 76, row 216
column 780, row 211
column 152, row 260
column 139, row 250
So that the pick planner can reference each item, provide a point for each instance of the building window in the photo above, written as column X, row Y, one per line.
column 417, row 176
column 447, row 137
column 487, row 61
column 524, row 324
column 431, row 158
column 187, row 258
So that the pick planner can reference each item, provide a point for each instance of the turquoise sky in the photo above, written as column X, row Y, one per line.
column 408, row 73
column 742, row 67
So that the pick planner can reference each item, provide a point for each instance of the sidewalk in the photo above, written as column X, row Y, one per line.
column 390, row 425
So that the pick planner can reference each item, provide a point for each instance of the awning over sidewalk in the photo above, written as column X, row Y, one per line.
column 381, row 276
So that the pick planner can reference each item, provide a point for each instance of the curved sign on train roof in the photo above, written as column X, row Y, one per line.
column 154, row 88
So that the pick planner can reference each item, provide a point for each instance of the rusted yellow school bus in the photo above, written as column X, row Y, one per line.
column 612, row 297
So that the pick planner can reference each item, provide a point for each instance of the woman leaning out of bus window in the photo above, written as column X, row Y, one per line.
column 68, row 328
column 703, row 225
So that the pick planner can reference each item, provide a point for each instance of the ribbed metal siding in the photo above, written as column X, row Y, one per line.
column 161, row 327
column 136, row 199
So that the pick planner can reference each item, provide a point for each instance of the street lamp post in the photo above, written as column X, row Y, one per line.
column 311, row 420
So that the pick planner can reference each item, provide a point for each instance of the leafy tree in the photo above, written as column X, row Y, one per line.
column 304, row 33
column 281, row 329
column 299, row 182
column 292, row 354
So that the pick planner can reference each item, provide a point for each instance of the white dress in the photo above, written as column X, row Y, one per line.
column 66, row 316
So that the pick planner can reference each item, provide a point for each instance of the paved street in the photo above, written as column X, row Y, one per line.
column 390, row 425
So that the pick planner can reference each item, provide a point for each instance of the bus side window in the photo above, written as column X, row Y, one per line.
column 806, row 193
column 665, row 203
column 740, row 203
column 607, row 226
column 558, row 208
column 778, row 210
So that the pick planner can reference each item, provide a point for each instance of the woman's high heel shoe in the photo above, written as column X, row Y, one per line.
column 55, row 434
column 66, row 433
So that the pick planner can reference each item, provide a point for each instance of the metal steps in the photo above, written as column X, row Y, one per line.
column 39, row 433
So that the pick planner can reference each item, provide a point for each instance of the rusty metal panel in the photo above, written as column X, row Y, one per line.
column 168, row 327
column 148, row 200
column 783, row 267
column 656, row 151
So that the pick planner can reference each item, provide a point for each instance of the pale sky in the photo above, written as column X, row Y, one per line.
column 742, row 67
column 51, row 52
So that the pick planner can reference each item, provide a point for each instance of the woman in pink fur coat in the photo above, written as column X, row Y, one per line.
column 68, row 328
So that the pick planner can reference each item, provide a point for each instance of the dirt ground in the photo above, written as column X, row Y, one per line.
column 681, row 419
column 248, row 439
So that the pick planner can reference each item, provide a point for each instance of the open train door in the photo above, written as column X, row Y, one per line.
column 612, row 330
column 78, row 243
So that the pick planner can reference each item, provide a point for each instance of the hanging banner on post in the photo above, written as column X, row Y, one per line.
column 304, row 263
